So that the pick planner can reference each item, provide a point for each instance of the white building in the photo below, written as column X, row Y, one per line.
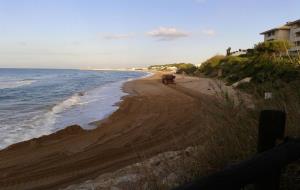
column 295, row 35
column 290, row 32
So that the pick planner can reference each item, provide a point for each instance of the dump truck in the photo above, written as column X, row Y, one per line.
column 168, row 79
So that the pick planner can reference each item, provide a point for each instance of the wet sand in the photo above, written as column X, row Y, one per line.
column 153, row 118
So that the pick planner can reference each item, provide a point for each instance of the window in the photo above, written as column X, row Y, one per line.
column 270, row 33
column 297, row 43
column 297, row 34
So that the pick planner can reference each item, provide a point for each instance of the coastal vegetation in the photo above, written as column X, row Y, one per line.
column 269, row 62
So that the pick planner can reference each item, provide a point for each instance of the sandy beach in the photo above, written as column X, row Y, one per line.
column 152, row 119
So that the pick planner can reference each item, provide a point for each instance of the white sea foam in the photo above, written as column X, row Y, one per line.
column 33, row 127
column 15, row 84
column 72, row 101
column 94, row 105
column 43, row 123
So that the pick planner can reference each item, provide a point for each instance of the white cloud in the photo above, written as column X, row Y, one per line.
column 118, row 36
column 167, row 33
column 208, row 32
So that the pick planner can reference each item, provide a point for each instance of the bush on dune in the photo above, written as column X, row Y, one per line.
column 233, row 68
column 187, row 68
column 260, row 69
column 266, row 70
column 209, row 66
column 269, row 62
column 274, row 48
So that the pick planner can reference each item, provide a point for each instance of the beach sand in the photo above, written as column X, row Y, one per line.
column 152, row 119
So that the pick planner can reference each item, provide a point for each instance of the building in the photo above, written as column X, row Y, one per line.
column 290, row 32
column 279, row 33
column 295, row 35
column 238, row 52
column 171, row 69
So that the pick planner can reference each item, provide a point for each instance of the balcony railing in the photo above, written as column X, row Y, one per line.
column 272, row 37
column 295, row 48
column 296, row 39
column 296, row 30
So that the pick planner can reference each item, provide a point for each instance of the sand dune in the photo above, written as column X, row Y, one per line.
column 154, row 118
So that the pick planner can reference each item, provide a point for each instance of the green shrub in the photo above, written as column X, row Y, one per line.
column 275, row 47
column 263, row 66
column 186, row 68
column 274, row 69
column 233, row 68
column 210, row 66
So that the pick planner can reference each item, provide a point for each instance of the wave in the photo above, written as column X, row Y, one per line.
column 43, row 123
column 15, row 84
column 93, row 105
column 70, row 102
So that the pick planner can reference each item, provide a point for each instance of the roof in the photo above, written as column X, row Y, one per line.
column 284, row 27
column 293, row 22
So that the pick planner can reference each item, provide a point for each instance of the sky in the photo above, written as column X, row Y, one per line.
column 131, row 33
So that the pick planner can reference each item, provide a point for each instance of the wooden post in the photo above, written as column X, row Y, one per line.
column 271, row 128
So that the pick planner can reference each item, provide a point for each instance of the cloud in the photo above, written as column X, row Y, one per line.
column 165, row 33
column 118, row 36
column 208, row 32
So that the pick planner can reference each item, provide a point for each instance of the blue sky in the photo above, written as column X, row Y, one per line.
column 131, row 33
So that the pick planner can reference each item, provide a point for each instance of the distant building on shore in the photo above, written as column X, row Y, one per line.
column 138, row 69
column 238, row 52
column 172, row 69
column 290, row 32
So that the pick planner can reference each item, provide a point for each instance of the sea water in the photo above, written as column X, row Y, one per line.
column 36, row 102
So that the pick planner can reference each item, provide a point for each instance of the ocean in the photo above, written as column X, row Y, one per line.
column 36, row 102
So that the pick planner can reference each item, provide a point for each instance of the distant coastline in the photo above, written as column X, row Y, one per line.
column 115, row 69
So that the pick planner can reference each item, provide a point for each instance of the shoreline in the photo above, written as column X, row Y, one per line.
column 62, row 113
column 153, row 119
column 98, row 122
column 89, row 125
